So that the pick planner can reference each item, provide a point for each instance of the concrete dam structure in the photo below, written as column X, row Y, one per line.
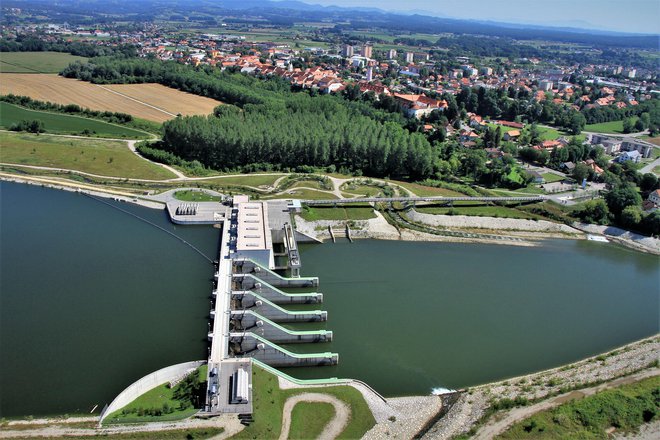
column 248, row 303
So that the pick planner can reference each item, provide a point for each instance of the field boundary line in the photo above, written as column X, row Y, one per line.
column 136, row 100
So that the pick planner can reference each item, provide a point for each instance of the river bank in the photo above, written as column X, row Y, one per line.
column 516, row 232
column 473, row 404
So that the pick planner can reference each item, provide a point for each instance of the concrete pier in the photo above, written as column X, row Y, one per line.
column 249, row 344
column 247, row 266
column 257, row 285
column 249, row 321
column 244, row 300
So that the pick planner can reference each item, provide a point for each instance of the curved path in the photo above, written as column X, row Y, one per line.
column 333, row 428
column 497, row 427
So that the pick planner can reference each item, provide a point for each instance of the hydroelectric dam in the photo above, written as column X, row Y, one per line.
column 248, row 304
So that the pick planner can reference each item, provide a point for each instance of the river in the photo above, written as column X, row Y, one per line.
column 93, row 298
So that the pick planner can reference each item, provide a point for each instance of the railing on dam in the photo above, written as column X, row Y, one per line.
column 424, row 199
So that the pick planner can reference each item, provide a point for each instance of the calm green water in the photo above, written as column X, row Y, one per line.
column 408, row 317
column 92, row 299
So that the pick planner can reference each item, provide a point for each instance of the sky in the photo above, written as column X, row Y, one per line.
column 637, row 16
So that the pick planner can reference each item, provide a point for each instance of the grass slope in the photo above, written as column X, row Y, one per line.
column 155, row 399
column 36, row 62
column 269, row 400
column 624, row 408
column 95, row 156
column 65, row 124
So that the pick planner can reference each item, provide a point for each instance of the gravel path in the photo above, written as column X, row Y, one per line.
column 230, row 423
column 334, row 426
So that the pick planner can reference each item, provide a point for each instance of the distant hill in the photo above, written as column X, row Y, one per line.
column 288, row 12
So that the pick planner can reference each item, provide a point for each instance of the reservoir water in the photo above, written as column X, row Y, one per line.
column 91, row 299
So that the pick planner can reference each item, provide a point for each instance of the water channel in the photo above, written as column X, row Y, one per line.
column 91, row 299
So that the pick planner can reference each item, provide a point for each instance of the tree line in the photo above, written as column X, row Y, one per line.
column 34, row 44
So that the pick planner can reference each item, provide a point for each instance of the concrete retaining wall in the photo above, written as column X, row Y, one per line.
column 148, row 382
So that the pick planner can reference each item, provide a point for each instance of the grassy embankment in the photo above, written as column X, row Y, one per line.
column 58, row 123
column 158, row 405
column 95, row 156
column 269, row 400
column 352, row 212
column 36, row 62
column 624, row 408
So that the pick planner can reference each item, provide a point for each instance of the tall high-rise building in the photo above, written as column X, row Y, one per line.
column 410, row 57
column 347, row 50
column 370, row 73
column 391, row 54
column 367, row 50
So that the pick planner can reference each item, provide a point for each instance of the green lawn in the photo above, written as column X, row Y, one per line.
column 65, row 124
column 362, row 212
column 268, row 400
column 158, row 398
column 309, row 418
column 36, row 62
column 95, row 156
column 315, row 184
column 195, row 196
column 613, row 127
column 625, row 408
column 549, row 134
column 551, row 177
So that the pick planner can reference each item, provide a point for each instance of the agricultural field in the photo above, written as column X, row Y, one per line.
column 65, row 124
column 36, row 62
column 94, row 156
column 139, row 100
column 168, row 99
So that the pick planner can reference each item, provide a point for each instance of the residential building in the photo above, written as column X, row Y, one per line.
column 654, row 197
column 644, row 149
column 633, row 156
column 347, row 51
column 391, row 54
column 545, row 85
column 367, row 50
column 410, row 57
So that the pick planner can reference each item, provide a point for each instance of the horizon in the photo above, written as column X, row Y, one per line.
column 602, row 15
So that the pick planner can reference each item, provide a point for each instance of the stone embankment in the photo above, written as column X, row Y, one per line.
column 474, row 402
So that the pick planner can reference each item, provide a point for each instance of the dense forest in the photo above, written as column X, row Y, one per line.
column 318, row 132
